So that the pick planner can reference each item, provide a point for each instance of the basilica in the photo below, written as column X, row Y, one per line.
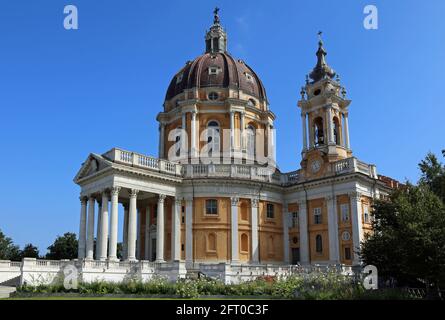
column 214, row 194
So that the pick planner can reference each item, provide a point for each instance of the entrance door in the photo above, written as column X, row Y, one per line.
column 295, row 255
column 153, row 249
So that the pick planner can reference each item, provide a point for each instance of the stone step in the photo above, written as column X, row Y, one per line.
column 6, row 291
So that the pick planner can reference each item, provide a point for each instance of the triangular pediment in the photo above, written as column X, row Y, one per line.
column 92, row 165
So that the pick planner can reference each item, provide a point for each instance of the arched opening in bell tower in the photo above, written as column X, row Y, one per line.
column 318, row 131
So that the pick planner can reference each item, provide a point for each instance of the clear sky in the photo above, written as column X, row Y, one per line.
column 64, row 94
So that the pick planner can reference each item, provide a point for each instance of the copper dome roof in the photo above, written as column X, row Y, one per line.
column 230, row 73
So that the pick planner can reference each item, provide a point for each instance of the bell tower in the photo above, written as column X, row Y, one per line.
column 324, row 116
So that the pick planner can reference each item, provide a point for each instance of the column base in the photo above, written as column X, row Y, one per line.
column 159, row 261
column 235, row 262
column 113, row 259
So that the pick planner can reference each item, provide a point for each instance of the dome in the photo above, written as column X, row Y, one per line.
column 216, row 69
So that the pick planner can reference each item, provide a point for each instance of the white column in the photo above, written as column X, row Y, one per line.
column 302, row 222
column 234, row 229
column 254, row 227
column 147, row 233
column 125, row 234
column 184, row 135
column 176, row 231
column 161, row 139
column 138, row 234
column 242, row 131
column 189, row 230
column 193, row 135
column 334, row 255
column 90, row 231
column 104, row 227
column 347, row 131
column 330, row 127
column 303, row 123
column 357, row 227
column 98, row 232
column 286, row 233
column 112, row 255
column 232, row 130
column 160, row 230
column 82, row 228
column 132, row 217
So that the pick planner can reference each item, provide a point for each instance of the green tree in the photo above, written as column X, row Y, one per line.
column 433, row 174
column 30, row 251
column 408, row 242
column 64, row 247
column 8, row 250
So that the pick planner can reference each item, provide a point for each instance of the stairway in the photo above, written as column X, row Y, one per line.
column 6, row 291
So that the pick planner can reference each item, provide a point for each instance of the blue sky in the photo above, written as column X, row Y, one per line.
column 64, row 94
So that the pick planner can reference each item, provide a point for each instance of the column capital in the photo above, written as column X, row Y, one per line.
column 178, row 201
column 115, row 191
column 133, row 193
column 301, row 203
column 330, row 198
column 355, row 195
column 254, row 202
column 234, row 201
column 83, row 199
column 161, row 198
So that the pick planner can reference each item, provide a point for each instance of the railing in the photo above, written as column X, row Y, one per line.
column 350, row 165
column 138, row 160
column 242, row 171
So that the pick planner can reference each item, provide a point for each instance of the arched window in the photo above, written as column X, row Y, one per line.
column 178, row 141
column 251, row 103
column 211, row 242
column 213, row 138
column 244, row 242
column 318, row 131
column 250, row 137
column 318, row 244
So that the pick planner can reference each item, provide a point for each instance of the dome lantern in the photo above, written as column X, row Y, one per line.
column 216, row 37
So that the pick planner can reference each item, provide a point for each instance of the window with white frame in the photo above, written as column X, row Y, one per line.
column 212, row 206
column 213, row 70
column 344, row 209
column 294, row 219
column 248, row 77
column 213, row 96
column 179, row 78
column 317, row 216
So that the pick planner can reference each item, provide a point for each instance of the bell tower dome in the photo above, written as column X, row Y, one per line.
column 324, row 116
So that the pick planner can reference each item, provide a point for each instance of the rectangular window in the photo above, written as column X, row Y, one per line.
column 294, row 219
column 317, row 216
column 366, row 214
column 344, row 209
column 347, row 253
column 212, row 206
column 270, row 211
